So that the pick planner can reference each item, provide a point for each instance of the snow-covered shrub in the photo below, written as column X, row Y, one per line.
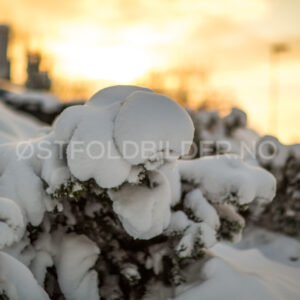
column 218, row 135
column 284, row 162
column 117, row 223
column 215, row 135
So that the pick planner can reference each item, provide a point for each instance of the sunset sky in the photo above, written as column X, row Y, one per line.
column 115, row 41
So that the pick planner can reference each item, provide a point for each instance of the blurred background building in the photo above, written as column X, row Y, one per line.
column 4, row 61
column 36, row 79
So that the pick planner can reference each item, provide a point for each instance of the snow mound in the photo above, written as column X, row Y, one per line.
column 144, row 211
column 201, row 209
column 226, row 178
column 17, row 282
column 22, row 163
column 195, row 227
column 170, row 170
column 114, row 117
column 74, row 260
column 90, row 129
column 197, row 235
column 179, row 222
column 237, row 274
column 11, row 222
column 27, row 190
column 100, row 158
column 155, row 119
column 54, row 170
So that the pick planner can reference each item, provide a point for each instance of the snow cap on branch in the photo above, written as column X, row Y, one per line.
column 115, row 125
column 17, row 282
column 11, row 222
column 144, row 211
column 226, row 178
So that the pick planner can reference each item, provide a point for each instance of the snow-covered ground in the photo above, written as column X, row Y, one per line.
column 264, row 266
